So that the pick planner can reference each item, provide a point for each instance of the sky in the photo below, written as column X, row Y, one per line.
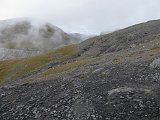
column 83, row 16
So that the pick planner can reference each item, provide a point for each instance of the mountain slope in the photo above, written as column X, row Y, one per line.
column 124, row 39
column 109, row 77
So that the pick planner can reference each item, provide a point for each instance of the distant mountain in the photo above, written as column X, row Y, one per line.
column 22, row 34
column 80, row 37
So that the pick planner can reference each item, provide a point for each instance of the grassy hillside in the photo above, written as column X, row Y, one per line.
column 14, row 69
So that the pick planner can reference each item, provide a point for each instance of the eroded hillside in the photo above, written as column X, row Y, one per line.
column 109, row 77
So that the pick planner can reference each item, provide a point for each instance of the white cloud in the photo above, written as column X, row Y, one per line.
column 83, row 15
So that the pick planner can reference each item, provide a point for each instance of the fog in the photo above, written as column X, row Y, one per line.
column 22, row 34
column 83, row 16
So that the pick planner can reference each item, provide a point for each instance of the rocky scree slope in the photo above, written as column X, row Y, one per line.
column 109, row 77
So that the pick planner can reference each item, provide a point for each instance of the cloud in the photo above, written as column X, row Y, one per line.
column 85, row 16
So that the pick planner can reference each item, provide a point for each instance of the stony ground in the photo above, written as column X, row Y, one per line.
column 123, row 92
column 120, row 82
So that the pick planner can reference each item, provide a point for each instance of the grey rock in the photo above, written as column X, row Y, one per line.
column 155, row 63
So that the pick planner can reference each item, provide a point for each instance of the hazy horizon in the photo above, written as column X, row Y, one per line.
column 82, row 16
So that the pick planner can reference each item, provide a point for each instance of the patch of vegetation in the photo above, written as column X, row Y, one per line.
column 50, row 29
column 21, row 67
column 27, row 45
column 153, row 51
column 147, row 52
column 41, row 60
column 65, row 67
column 6, row 68
column 118, row 61
column 10, row 45
column 132, row 55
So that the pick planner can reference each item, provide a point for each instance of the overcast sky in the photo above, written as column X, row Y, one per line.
column 84, row 16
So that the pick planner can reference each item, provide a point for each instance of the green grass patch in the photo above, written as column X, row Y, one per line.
column 21, row 67
column 6, row 68
column 118, row 61
column 66, row 67
column 148, row 52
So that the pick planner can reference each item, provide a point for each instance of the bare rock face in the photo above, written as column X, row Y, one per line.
column 108, row 77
